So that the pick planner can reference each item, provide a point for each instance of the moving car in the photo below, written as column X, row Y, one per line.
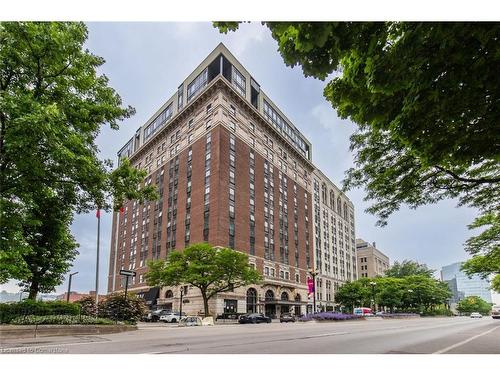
column 286, row 317
column 476, row 315
column 495, row 312
column 254, row 318
column 172, row 317
column 363, row 311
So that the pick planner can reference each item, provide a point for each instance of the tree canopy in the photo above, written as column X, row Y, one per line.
column 473, row 304
column 408, row 268
column 53, row 104
column 426, row 100
column 408, row 293
column 210, row 269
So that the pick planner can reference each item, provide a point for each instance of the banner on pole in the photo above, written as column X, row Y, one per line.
column 310, row 285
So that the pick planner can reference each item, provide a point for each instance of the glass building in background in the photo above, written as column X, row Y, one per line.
column 463, row 286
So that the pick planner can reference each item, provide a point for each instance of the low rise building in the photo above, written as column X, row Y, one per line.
column 371, row 261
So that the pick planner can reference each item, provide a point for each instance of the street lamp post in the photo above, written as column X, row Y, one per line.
column 372, row 284
column 313, row 274
column 69, row 285
column 180, row 308
column 411, row 299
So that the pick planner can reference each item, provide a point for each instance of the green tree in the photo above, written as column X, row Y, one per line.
column 408, row 268
column 389, row 292
column 495, row 283
column 485, row 247
column 52, row 107
column 425, row 97
column 473, row 304
column 52, row 246
column 353, row 294
column 427, row 291
column 210, row 269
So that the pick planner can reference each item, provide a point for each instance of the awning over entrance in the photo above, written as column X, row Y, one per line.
column 281, row 302
column 151, row 296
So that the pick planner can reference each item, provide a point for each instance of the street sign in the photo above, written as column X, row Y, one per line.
column 127, row 273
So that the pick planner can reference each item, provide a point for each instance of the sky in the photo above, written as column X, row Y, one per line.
column 146, row 62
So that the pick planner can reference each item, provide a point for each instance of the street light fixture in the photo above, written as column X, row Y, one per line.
column 372, row 284
column 411, row 299
column 313, row 274
column 69, row 285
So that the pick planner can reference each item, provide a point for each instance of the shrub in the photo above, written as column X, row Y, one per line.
column 117, row 308
column 440, row 311
column 87, row 305
column 400, row 315
column 334, row 316
column 59, row 319
column 9, row 311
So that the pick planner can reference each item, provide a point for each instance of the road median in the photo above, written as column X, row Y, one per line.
column 29, row 331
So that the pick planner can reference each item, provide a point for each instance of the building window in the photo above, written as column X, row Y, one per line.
column 197, row 84
column 239, row 81
column 158, row 122
column 251, row 300
column 180, row 97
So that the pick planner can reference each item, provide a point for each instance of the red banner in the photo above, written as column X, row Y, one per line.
column 310, row 285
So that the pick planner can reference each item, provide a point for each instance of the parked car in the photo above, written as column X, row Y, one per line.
column 287, row 317
column 190, row 321
column 254, row 318
column 495, row 312
column 155, row 315
column 476, row 315
column 171, row 317
column 232, row 316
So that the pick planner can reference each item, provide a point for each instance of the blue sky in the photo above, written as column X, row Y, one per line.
column 145, row 63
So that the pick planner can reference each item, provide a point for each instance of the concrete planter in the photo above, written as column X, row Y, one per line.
column 28, row 331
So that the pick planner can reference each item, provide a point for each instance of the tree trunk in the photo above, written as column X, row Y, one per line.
column 33, row 291
column 205, row 302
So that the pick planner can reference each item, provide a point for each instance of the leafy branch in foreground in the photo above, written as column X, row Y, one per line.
column 425, row 97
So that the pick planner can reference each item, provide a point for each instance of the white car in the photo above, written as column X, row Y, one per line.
column 172, row 317
column 476, row 315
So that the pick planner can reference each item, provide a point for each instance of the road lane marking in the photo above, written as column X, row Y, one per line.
column 464, row 341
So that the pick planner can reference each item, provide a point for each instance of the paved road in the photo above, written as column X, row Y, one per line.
column 426, row 335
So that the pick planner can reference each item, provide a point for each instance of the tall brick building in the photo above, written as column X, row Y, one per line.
column 232, row 170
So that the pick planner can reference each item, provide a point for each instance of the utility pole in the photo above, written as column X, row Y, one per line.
column 69, row 285
column 180, row 308
column 126, row 287
column 372, row 284
column 98, row 214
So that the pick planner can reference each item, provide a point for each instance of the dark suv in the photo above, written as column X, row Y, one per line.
column 287, row 317
column 254, row 318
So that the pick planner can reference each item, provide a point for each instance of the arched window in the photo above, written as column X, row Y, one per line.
column 284, row 296
column 332, row 200
column 339, row 206
column 251, row 301
column 269, row 295
column 298, row 298
column 323, row 193
column 169, row 294
column 345, row 211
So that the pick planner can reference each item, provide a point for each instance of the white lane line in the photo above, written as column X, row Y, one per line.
column 464, row 342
